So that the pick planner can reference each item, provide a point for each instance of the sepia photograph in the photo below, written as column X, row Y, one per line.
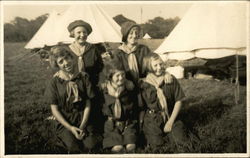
column 124, row 79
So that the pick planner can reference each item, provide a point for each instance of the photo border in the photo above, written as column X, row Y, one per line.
column 2, row 138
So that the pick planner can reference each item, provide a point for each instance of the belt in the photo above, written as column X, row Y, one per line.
column 118, row 123
column 152, row 111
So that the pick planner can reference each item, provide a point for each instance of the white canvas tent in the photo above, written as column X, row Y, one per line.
column 211, row 30
column 43, row 35
column 146, row 36
column 105, row 29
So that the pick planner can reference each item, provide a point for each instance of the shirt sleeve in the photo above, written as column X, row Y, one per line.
column 141, row 96
column 106, row 109
column 178, row 91
column 89, row 89
column 98, row 63
column 146, row 51
column 51, row 94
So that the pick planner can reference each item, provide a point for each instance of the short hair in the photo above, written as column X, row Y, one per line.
column 111, row 67
column 56, row 52
column 147, row 60
column 71, row 34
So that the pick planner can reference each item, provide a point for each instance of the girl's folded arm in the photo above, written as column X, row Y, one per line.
column 86, row 113
column 56, row 112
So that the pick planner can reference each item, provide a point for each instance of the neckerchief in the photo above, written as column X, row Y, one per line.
column 79, row 51
column 156, row 82
column 71, row 86
column 132, row 62
column 116, row 93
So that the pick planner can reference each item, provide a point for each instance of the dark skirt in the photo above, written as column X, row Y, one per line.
column 119, row 133
column 153, row 130
column 67, row 140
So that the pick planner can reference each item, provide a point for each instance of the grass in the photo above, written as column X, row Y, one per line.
column 209, row 110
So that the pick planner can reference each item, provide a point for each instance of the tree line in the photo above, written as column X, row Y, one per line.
column 22, row 29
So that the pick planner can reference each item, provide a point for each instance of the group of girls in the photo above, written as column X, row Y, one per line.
column 115, row 102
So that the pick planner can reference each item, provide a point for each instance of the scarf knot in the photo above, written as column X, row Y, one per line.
column 132, row 62
column 157, row 82
column 115, row 92
column 79, row 51
column 71, row 86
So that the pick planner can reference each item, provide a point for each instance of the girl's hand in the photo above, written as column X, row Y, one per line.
column 168, row 126
column 76, row 132
column 81, row 135
column 141, row 126
column 168, row 78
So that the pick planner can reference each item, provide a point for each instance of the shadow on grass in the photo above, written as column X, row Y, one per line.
column 201, row 113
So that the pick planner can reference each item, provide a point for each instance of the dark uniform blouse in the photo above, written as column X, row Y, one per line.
column 92, row 62
column 173, row 93
column 57, row 95
column 140, row 52
column 128, row 104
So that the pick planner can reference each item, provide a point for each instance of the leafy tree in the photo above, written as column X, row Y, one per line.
column 156, row 28
column 21, row 29
column 159, row 27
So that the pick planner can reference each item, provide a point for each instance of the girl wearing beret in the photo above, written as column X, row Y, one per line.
column 88, row 59
column 88, row 56
column 131, row 54
column 120, row 106
column 69, row 92
column 163, row 103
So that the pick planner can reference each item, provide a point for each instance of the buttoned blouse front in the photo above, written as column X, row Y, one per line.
column 128, row 104
column 57, row 94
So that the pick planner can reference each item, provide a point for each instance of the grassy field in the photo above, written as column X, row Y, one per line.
column 209, row 112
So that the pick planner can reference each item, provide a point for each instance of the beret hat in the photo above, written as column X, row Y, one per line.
column 76, row 23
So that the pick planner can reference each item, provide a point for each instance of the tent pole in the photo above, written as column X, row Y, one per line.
column 237, row 91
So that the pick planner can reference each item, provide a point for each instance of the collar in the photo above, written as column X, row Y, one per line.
column 62, row 76
column 155, row 80
column 128, row 85
column 126, row 49
column 87, row 46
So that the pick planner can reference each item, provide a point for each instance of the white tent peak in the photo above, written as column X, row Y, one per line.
column 146, row 36
column 42, row 36
column 211, row 30
column 105, row 29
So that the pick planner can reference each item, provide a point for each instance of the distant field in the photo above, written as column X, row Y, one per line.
column 209, row 109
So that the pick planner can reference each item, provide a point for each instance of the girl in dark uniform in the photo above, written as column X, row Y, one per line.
column 88, row 59
column 120, row 106
column 131, row 53
column 163, row 103
column 70, row 92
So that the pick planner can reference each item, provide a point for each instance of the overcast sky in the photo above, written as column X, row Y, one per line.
column 131, row 10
